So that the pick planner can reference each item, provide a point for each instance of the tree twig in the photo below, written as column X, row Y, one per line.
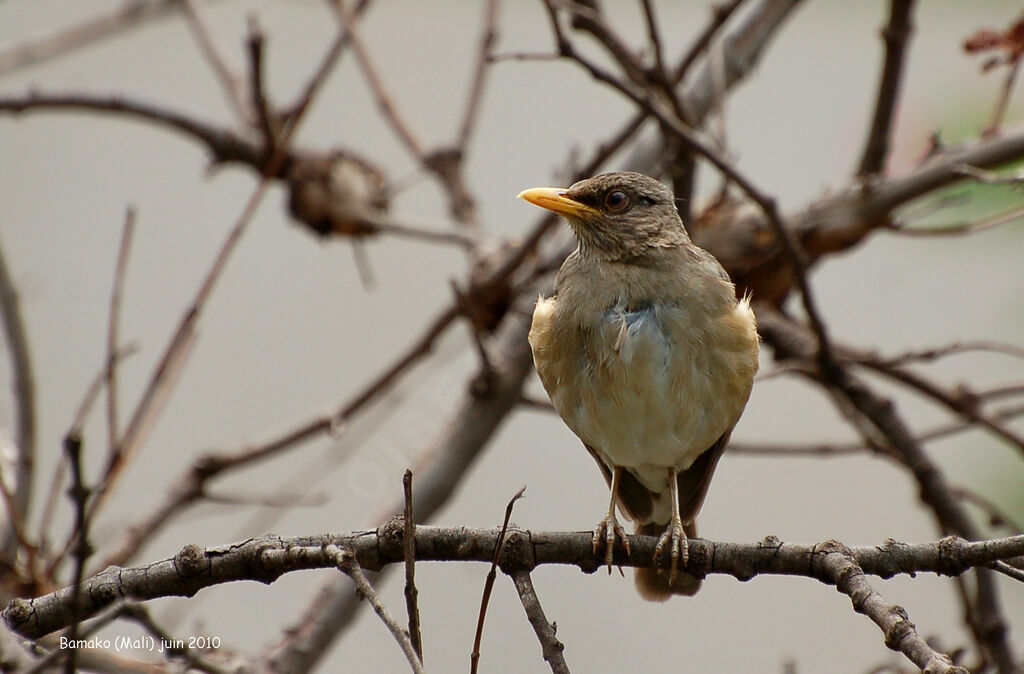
column 99, row 27
column 488, row 36
column 839, row 567
column 895, row 36
column 113, row 324
column 16, row 489
column 551, row 648
column 230, row 83
column 411, row 593
column 346, row 561
column 79, row 495
column 474, row 658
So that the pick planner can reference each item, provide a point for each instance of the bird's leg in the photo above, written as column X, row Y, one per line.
column 608, row 528
column 674, row 534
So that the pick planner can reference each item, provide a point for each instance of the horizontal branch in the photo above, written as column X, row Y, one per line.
column 267, row 558
column 225, row 145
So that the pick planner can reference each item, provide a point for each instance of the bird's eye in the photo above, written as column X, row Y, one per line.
column 616, row 201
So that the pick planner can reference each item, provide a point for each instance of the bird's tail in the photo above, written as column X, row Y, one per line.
column 652, row 584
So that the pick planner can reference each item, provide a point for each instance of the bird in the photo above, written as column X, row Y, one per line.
column 648, row 356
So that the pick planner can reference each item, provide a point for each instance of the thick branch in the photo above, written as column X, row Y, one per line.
column 267, row 558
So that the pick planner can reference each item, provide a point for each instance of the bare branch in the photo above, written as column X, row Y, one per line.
column 385, row 103
column 474, row 657
column 231, row 84
column 346, row 561
column 551, row 648
column 260, row 103
column 66, row 40
column 16, row 488
column 113, row 324
column 411, row 593
column 225, row 145
column 488, row 37
column 839, row 567
column 267, row 558
column 654, row 36
column 79, row 496
column 720, row 13
column 896, row 36
column 1004, row 99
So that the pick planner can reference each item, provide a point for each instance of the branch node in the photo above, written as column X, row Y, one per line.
column 191, row 561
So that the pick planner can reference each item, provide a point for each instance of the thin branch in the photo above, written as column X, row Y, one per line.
column 1009, row 571
column 956, row 348
column 1004, row 99
column 101, row 26
column 60, row 470
column 720, row 13
column 79, row 495
column 230, row 83
column 224, row 144
column 113, row 323
column 997, row 517
column 1014, row 214
column 411, row 593
column 421, row 233
column 654, row 36
column 956, row 402
column 474, row 658
column 740, row 50
column 988, row 177
column 896, row 35
column 551, row 648
column 278, row 499
column 16, row 488
column 488, row 37
column 260, row 103
column 346, row 561
column 819, row 450
column 373, row 79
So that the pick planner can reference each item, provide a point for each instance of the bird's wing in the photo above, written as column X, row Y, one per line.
column 636, row 500
column 695, row 480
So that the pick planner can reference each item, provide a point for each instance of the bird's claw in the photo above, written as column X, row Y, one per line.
column 675, row 537
column 606, row 531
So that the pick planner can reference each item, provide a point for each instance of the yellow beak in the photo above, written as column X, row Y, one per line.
column 555, row 199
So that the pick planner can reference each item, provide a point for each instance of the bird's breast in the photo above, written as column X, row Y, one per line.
column 649, row 385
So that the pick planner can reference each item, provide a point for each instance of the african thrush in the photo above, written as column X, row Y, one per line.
column 648, row 357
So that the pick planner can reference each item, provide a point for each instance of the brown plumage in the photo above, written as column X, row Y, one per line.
column 647, row 356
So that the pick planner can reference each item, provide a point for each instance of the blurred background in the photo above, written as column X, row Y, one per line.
column 292, row 329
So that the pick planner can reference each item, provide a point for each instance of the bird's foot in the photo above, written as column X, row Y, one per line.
column 606, row 532
column 675, row 538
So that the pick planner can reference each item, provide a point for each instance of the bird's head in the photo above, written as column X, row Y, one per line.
column 616, row 216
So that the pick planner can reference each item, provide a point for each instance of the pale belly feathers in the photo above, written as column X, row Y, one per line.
column 648, row 389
